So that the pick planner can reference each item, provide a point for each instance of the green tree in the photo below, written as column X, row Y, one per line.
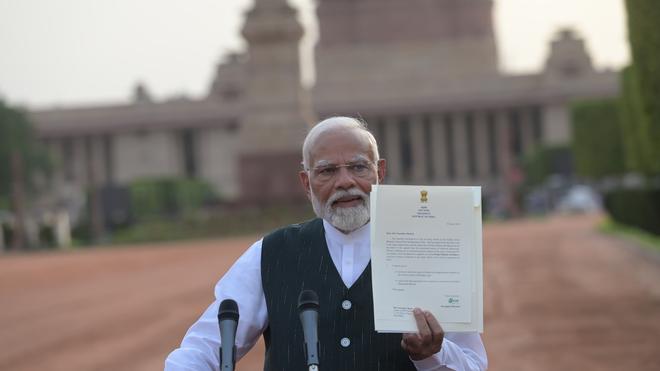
column 545, row 161
column 635, row 143
column 597, row 144
column 20, row 157
column 641, row 93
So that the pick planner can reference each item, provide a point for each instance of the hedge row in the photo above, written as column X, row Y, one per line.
column 157, row 197
column 635, row 207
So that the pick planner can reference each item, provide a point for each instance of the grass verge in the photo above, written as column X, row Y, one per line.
column 642, row 237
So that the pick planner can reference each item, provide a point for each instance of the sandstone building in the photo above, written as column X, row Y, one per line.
column 423, row 74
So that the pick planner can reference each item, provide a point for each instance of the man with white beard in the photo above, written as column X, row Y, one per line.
column 331, row 256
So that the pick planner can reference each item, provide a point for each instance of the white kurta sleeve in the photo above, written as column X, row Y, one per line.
column 242, row 283
column 459, row 352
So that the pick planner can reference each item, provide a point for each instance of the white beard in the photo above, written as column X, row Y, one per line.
column 346, row 219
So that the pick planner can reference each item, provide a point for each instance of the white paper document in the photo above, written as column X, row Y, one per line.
column 426, row 252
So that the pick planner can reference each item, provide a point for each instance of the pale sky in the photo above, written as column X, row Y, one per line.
column 73, row 52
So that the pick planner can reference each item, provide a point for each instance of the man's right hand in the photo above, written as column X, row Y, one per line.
column 427, row 341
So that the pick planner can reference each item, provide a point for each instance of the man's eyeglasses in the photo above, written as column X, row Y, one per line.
column 359, row 169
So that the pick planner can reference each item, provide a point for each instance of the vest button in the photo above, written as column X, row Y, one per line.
column 346, row 304
column 345, row 342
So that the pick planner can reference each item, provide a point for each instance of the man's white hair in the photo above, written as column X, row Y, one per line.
column 334, row 123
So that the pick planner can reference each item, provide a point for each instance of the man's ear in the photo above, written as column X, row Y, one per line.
column 304, row 180
column 382, row 170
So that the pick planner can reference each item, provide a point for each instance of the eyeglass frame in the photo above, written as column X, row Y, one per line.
column 372, row 164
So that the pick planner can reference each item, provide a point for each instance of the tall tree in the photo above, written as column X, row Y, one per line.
column 597, row 144
column 631, row 115
column 642, row 86
column 20, row 157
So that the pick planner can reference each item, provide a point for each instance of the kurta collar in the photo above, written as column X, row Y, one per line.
column 358, row 235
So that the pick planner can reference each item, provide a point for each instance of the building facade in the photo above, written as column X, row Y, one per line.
column 424, row 75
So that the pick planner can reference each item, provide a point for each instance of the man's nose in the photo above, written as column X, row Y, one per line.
column 345, row 179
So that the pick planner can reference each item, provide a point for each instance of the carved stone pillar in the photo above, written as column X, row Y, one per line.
column 275, row 124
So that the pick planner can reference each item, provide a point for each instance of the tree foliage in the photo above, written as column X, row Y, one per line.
column 635, row 143
column 641, row 88
column 597, row 144
column 168, row 196
column 546, row 161
column 17, row 135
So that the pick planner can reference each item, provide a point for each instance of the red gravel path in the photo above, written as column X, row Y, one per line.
column 559, row 296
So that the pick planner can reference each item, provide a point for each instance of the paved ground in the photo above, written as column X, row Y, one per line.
column 559, row 296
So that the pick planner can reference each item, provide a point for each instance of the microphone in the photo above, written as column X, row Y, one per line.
column 227, row 321
column 308, row 306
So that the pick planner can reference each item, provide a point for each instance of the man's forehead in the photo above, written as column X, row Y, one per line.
column 340, row 145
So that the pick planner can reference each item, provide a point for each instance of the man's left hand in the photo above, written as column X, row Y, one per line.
column 427, row 341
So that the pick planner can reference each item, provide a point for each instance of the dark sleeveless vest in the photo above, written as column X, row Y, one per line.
column 296, row 258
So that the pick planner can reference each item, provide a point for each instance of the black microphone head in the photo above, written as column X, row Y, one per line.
column 228, row 310
column 308, row 300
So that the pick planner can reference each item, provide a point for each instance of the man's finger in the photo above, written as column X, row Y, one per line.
column 422, row 326
column 435, row 326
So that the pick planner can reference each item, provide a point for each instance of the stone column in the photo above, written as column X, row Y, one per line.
column 62, row 229
column 107, row 158
column 95, row 202
column 481, row 147
column 460, row 148
column 377, row 128
column 79, row 162
column 504, row 150
column 393, row 154
column 537, row 125
column 527, row 135
column 418, row 147
column 505, row 162
column 439, row 149
column 556, row 124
